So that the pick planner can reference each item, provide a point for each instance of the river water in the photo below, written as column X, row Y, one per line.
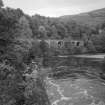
column 73, row 81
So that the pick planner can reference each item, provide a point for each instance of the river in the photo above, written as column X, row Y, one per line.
column 75, row 81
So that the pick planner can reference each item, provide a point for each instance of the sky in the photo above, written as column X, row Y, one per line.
column 55, row 8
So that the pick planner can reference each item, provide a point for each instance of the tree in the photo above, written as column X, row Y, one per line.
column 54, row 32
column 1, row 3
column 42, row 32
column 61, row 30
column 34, row 25
column 35, row 50
column 9, row 65
column 90, row 47
column 23, row 35
column 99, row 42
column 44, row 47
column 8, row 19
column 15, row 44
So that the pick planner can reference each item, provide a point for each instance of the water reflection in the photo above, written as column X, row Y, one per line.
column 75, row 81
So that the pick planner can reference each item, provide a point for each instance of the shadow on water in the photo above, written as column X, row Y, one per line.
column 72, row 67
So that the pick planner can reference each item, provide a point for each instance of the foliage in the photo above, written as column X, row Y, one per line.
column 35, row 92
column 23, row 35
column 44, row 47
column 99, row 42
column 10, row 88
column 15, row 43
column 42, row 32
column 1, row 3
column 35, row 50
column 14, row 90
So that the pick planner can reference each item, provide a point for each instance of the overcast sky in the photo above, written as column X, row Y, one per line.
column 55, row 8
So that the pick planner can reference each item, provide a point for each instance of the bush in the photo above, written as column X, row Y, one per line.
column 11, row 92
column 16, row 89
column 103, row 66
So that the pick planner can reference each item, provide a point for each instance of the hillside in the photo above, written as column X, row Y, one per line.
column 92, row 18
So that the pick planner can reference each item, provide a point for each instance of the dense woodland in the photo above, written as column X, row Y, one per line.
column 18, row 45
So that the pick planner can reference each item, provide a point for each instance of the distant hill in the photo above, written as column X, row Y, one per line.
column 92, row 18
